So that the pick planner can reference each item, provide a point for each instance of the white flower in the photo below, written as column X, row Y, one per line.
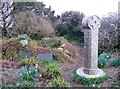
column 107, row 56
column 40, row 75
column 24, row 42
column 93, row 85
column 66, row 51
column 60, row 49
column 62, row 45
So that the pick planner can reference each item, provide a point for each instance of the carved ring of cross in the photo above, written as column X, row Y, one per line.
column 94, row 22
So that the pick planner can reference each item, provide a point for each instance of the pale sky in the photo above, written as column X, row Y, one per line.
column 88, row 7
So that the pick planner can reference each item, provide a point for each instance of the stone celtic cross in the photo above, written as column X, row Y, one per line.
column 91, row 26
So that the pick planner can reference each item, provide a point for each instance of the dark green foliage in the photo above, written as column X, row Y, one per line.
column 102, row 63
column 71, row 26
column 88, row 81
column 77, row 36
column 58, row 82
column 62, row 29
column 103, row 60
column 104, row 56
column 72, row 18
column 28, row 73
column 115, row 62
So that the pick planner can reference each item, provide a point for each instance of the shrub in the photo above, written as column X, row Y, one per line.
column 103, row 60
column 58, row 82
column 68, row 46
column 75, row 36
column 37, row 28
column 102, row 63
column 28, row 73
column 12, row 54
column 52, row 70
column 29, row 61
column 115, row 62
column 50, row 42
column 61, row 55
column 11, row 45
column 38, row 49
column 24, row 37
column 70, row 26
column 88, row 81
column 109, row 36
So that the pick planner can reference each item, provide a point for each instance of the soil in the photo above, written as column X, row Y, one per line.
column 79, row 62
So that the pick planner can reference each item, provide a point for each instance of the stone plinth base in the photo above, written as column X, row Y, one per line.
column 99, row 73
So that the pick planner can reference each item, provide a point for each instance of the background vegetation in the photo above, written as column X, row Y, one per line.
column 45, row 23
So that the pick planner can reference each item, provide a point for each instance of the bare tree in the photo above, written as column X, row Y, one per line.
column 109, row 32
column 35, row 26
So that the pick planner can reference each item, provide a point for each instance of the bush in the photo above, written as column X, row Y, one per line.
column 28, row 73
column 76, row 36
column 11, row 47
column 115, row 62
column 37, row 28
column 50, row 42
column 103, row 60
column 29, row 61
column 38, row 49
column 60, row 55
column 12, row 54
column 58, row 82
column 52, row 70
column 102, row 63
column 109, row 36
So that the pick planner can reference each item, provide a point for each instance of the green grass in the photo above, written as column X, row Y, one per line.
column 88, row 81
